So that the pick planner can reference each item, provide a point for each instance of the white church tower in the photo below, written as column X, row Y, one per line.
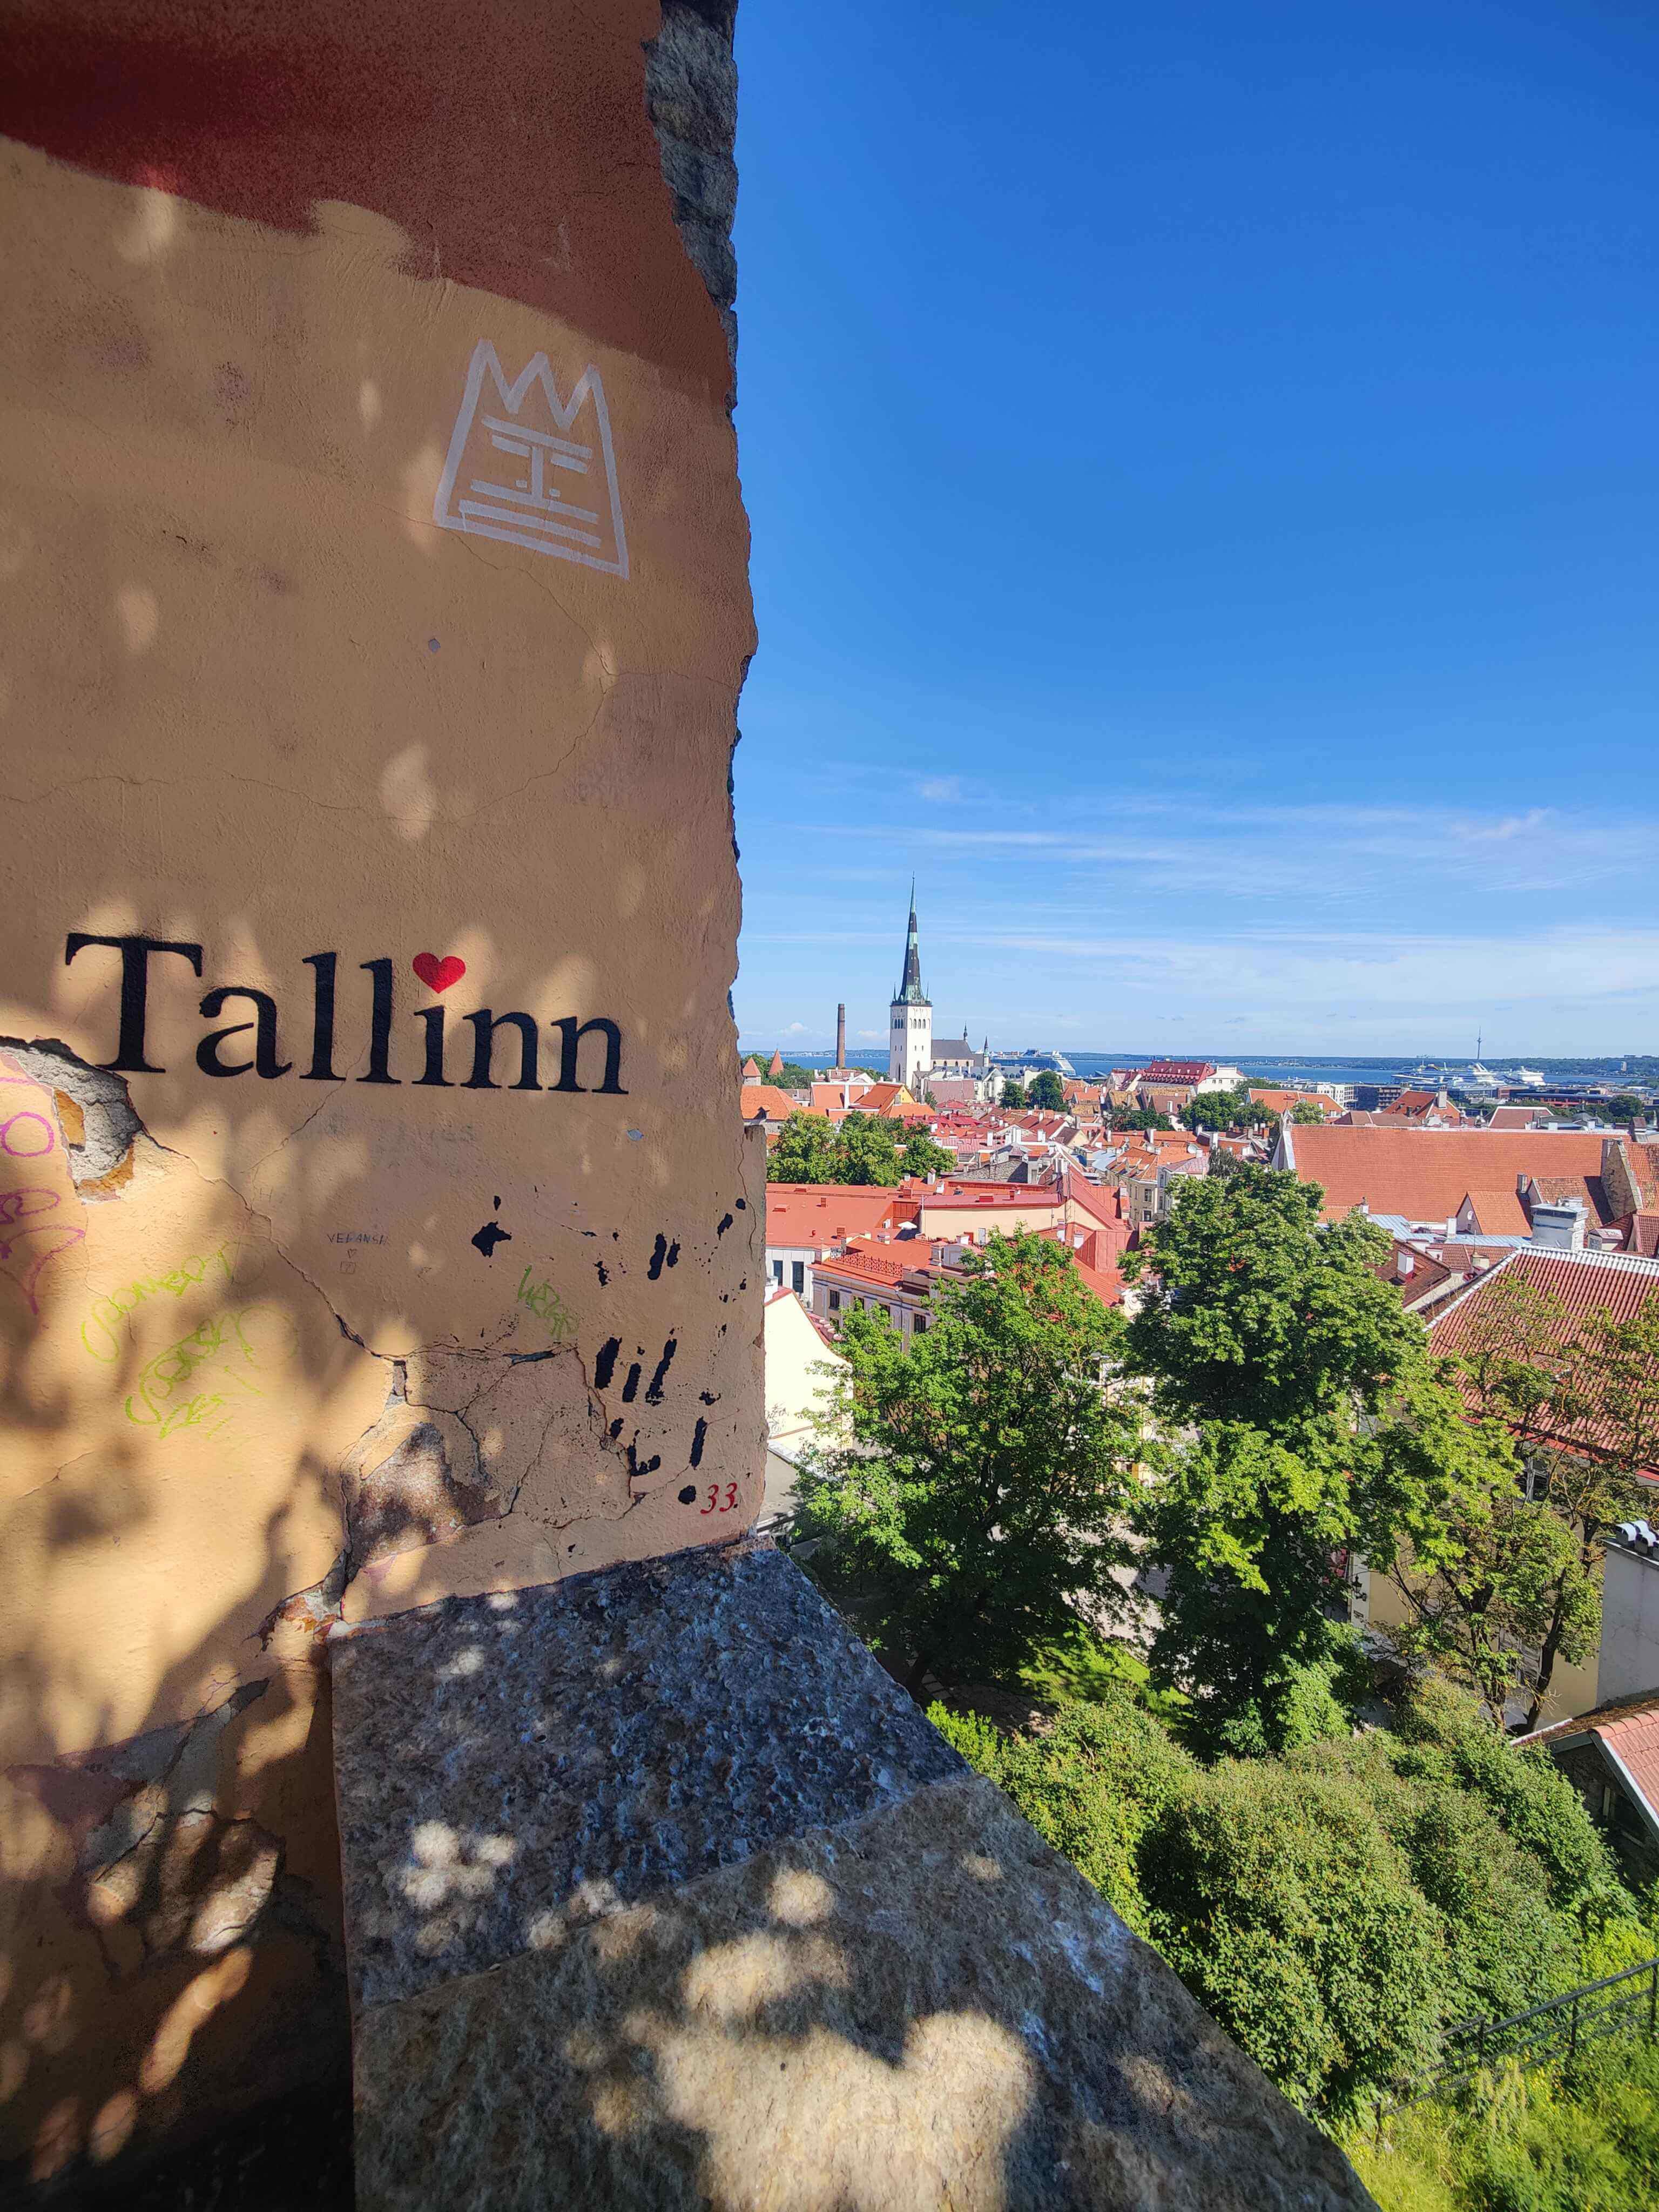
column 910, row 1020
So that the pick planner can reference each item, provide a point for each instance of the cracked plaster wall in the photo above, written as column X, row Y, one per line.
column 281, row 1351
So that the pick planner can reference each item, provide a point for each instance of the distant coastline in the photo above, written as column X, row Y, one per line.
column 1293, row 1068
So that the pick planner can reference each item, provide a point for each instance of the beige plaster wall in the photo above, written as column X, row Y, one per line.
column 280, row 1349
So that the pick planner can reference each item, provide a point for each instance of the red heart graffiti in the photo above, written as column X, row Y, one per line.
column 437, row 974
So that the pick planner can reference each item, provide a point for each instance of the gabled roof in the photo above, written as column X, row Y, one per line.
column 1628, row 1730
column 879, row 1097
column 1177, row 1071
column 765, row 1099
column 1424, row 1173
column 1585, row 1283
column 1494, row 1213
column 751, row 1071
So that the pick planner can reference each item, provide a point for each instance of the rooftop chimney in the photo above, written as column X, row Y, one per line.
column 1558, row 1226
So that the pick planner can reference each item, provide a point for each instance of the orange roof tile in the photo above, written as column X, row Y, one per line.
column 806, row 1214
column 1585, row 1282
column 1424, row 1173
column 1496, row 1212
column 766, row 1099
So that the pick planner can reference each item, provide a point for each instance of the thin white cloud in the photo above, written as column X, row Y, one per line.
column 941, row 790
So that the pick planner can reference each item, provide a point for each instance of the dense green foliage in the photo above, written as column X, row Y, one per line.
column 964, row 1486
column 1335, row 1909
column 1580, row 1396
column 1231, row 1110
column 1137, row 1117
column 1014, row 1095
column 1046, row 1092
column 923, row 1157
column 866, row 1148
column 1583, row 2139
column 1302, row 1417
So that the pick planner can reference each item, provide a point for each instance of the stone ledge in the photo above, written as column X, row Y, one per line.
column 924, row 2008
column 507, row 1765
column 660, row 1893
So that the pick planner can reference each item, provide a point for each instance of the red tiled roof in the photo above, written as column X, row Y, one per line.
column 863, row 1264
column 1585, row 1283
column 1636, row 1740
column 1513, row 1117
column 766, row 1099
column 1177, row 1071
column 804, row 1214
column 1642, row 1162
column 1496, row 1212
column 1630, row 1728
column 1644, row 1236
column 1424, row 1173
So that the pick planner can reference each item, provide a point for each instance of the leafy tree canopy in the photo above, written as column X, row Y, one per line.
column 1137, row 1117
column 1336, row 1909
column 1046, row 1092
column 922, row 1157
column 965, row 1487
column 806, row 1150
column 1580, row 1397
column 1231, row 1110
column 1304, row 1418
column 866, row 1148
column 1305, row 1111
column 1014, row 1095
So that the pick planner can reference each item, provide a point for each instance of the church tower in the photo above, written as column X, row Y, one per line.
column 911, row 1018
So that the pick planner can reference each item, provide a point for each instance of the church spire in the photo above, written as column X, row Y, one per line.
column 910, row 992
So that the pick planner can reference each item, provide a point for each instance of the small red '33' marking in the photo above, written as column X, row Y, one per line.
column 716, row 1504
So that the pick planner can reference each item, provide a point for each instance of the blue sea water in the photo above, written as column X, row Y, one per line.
column 1288, row 1071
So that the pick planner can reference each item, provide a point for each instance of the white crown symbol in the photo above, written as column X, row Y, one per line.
column 515, row 471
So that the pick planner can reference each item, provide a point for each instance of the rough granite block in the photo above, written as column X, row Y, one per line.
column 506, row 1766
column 923, row 2007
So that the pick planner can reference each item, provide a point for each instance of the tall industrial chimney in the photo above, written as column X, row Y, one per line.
column 840, row 1034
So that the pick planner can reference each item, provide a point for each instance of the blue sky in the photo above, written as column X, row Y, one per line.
column 1203, row 474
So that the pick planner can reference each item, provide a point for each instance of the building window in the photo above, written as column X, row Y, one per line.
column 797, row 1276
column 835, row 1301
column 777, row 1271
column 918, row 1324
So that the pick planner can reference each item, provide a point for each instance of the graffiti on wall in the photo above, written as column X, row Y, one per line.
column 533, row 469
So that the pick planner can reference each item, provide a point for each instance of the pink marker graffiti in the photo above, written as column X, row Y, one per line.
column 28, row 1132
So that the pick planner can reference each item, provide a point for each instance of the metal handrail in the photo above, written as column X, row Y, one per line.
column 1562, row 2020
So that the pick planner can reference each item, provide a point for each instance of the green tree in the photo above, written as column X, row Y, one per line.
column 1137, row 1117
column 806, row 1150
column 966, row 1487
column 867, row 1149
column 1627, row 1107
column 922, row 1157
column 1230, row 1110
column 1306, row 1419
column 1046, row 1092
column 1579, row 1395
column 1337, row 1909
column 1014, row 1095
column 792, row 1076
column 1305, row 1111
